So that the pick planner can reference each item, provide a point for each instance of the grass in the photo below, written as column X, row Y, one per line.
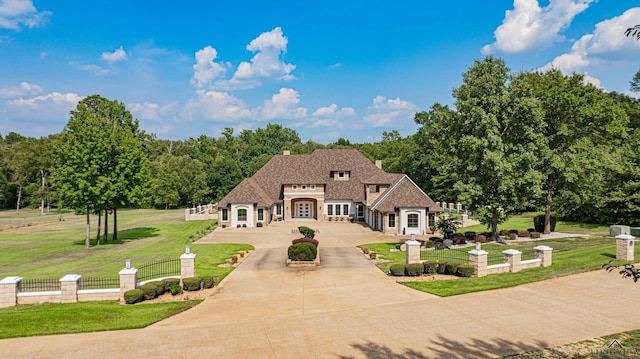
column 33, row 246
column 46, row 319
column 570, row 256
column 525, row 221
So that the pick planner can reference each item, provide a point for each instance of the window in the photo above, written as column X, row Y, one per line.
column 337, row 209
column 360, row 211
column 294, row 187
column 329, row 210
column 340, row 174
column 242, row 215
column 279, row 210
column 377, row 188
column 345, row 209
column 304, row 186
column 313, row 187
column 260, row 214
column 392, row 220
column 225, row 214
column 412, row 220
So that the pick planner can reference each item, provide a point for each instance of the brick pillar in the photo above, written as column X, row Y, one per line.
column 478, row 260
column 543, row 253
column 128, row 280
column 514, row 258
column 413, row 251
column 187, row 211
column 624, row 247
column 69, row 288
column 9, row 291
column 188, row 264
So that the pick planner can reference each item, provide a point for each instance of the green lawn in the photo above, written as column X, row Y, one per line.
column 51, row 246
column 46, row 319
column 570, row 256
column 525, row 221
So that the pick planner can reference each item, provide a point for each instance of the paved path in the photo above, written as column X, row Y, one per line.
column 347, row 308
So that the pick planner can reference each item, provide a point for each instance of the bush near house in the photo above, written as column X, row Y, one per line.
column 523, row 234
column 133, row 296
column 534, row 234
column 414, row 269
column 307, row 232
column 208, row 281
column 170, row 282
column 191, row 283
column 397, row 270
column 430, row 267
column 465, row 270
column 303, row 251
column 442, row 267
column 307, row 240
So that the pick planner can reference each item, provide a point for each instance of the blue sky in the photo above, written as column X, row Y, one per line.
column 327, row 69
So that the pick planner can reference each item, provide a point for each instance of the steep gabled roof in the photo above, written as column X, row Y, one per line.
column 247, row 191
column 404, row 193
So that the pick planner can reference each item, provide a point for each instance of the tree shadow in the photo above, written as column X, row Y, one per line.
column 124, row 236
column 442, row 347
column 608, row 255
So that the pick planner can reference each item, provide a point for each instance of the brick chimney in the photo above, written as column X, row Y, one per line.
column 286, row 152
column 379, row 164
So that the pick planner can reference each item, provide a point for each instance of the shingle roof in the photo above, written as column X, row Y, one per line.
column 404, row 193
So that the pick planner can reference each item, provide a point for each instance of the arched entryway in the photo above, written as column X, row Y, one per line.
column 304, row 208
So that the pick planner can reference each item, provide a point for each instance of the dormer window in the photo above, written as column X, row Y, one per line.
column 340, row 174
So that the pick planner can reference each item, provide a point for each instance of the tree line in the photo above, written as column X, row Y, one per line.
column 510, row 142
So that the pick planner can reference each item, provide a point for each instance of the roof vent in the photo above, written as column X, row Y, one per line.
column 286, row 152
column 379, row 164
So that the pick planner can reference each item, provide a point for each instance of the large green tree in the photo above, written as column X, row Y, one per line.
column 484, row 151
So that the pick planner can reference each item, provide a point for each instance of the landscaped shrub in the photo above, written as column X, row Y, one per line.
column 259, row 224
column 133, row 296
column 308, row 240
column 175, row 289
column 224, row 226
column 439, row 245
column 191, row 283
column 238, row 225
column 534, row 234
column 208, row 281
column 538, row 223
column 365, row 250
column 515, row 231
column 523, row 234
column 414, row 269
column 430, row 267
column 397, row 269
column 303, row 251
column 480, row 239
column 504, row 232
column 442, row 267
column 470, row 235
column 465, row 270
column 170, row 282
column 373, row 255
column 159, row 288
column 307, row 232
column 429, row 244
column 458, row 239
column 149, row 290
column 513, row 236
column 531, row 230
column 452, row 268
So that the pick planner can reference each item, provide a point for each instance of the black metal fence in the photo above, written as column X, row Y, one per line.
column 99, row 282
column 39, row 285
column 158, row 269
column 495, row 258
column 458, row 255
column 528, row 253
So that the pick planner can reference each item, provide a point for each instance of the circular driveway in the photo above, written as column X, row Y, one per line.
column 347, row 308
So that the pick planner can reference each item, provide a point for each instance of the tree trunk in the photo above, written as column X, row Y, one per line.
column 494, row 223
column 114, row 236
column 87, row 244
column 98, row 235
column 42, row 192
column 106, row 226
column 547, row 213
column 19, row 197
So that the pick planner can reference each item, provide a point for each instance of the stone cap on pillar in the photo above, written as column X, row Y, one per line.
column 188, row 256
column 511, row 252
column 625, row 236
column 412, row 242
column 128, row 271
column 70, row 278
column 11, row 280
column 477, row 252
column 543, row 248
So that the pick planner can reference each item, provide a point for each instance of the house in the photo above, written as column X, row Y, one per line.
column 329, row 185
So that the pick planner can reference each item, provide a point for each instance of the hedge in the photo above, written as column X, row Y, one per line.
column 191, row 283
column 538, row 223
column 208, row 281
column 414, row 269
column 307, row 232
column 133, row 296
column 149, row 290
column 308, row 240
column 303, row 251
column 170, row 282
column 452, row 268
column 442, row 267
column 397, row 269
column 465, row 270
column 430, row 267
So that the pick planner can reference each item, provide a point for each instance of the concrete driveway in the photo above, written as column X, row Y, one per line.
column 347, row 308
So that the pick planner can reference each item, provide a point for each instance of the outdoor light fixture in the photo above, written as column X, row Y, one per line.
column 187, row 250
column 477, row 246
column 127, row 264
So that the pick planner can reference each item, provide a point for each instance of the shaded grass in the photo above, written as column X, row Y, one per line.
column 46, row 319
column 524, row 221
column 570, row 256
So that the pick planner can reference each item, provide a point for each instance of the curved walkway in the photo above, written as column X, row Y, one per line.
column 347, row 308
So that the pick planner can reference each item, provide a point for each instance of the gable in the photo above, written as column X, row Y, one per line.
column 405, row 194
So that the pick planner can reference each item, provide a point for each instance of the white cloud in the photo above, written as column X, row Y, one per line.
column 94, row 69
column 529, row 26
column 117, row 55
column 15, row 14
column 385, row 111
column 283, row 105
column 335, row 66
column 606, row 43
column 266, row 64
column 205, row 70
column 152, row 111
column 24, row 89
column 55, row 98
column 215, row 106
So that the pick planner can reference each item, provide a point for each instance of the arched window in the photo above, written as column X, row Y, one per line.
column 412, row 220
column 242, row 214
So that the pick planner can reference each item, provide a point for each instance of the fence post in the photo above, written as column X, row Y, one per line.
column 69, row 288
column 478, row 260
column 624, row 247
column 413, row 251
column 187, row 264
column 514, row 258
column 186, row 214
column 543, row 253
column 128, row 280
column 9, row 291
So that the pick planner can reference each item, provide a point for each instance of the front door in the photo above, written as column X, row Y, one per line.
column 304, row 209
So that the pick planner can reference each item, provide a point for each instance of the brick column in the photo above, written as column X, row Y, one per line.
column 9, row 291
column 543, row 253
column 514, row 258
column 478, row 260
column 188, row 264
column 624, row 247
column 413, row 251
column 128, row 280
column 69, row 288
